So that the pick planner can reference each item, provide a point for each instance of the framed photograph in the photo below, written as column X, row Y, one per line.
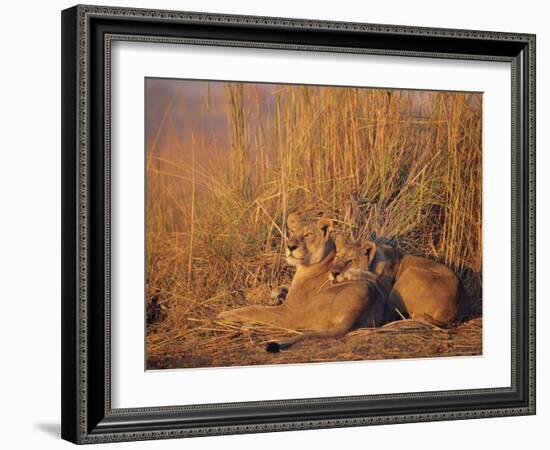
column 281, row 224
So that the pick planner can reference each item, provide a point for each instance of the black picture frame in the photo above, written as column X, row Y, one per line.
column 87, row 32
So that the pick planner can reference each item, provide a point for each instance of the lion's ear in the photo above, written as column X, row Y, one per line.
column 326, row 225
column 339, row 240
column 292, row 219
column 369, row 250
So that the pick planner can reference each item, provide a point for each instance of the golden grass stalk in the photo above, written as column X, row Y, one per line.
column 401, row 166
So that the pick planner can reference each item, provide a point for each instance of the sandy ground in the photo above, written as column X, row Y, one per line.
column 216, row 345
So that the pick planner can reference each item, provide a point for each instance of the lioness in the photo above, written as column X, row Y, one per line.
column 422, row 289
column 313, row 305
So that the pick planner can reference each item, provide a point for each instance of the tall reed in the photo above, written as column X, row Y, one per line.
column 395, row 165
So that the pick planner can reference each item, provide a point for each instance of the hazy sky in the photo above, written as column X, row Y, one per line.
column 177, row 109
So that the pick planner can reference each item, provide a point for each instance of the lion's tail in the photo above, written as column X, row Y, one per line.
column 337, row 330
column 275, row 347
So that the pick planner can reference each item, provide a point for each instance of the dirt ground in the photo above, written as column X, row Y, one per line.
column 220, row 345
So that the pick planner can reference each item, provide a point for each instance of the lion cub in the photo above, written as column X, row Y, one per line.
column 417, row 287
column 352, row 264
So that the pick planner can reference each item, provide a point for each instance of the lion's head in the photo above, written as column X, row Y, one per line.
column 351, row 259
column 307, row 242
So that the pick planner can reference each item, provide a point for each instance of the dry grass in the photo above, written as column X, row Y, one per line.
column 400, row 166
column 246, row 346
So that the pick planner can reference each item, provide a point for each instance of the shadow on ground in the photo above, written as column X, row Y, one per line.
column 52, row 429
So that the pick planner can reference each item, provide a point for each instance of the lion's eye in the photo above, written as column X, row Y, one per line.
column 349, row 261
column 307, row 235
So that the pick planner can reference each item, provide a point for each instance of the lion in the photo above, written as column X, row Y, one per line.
column 423, row 289
column 313, row 306
column 278, row 295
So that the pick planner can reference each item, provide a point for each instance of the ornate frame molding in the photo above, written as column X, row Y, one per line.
column 83, row 421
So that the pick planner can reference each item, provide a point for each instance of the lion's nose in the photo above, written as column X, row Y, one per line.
column 335, row 272
column 292, row 247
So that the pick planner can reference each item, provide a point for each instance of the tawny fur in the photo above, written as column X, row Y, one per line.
column 422, row 289
column 312, row 304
